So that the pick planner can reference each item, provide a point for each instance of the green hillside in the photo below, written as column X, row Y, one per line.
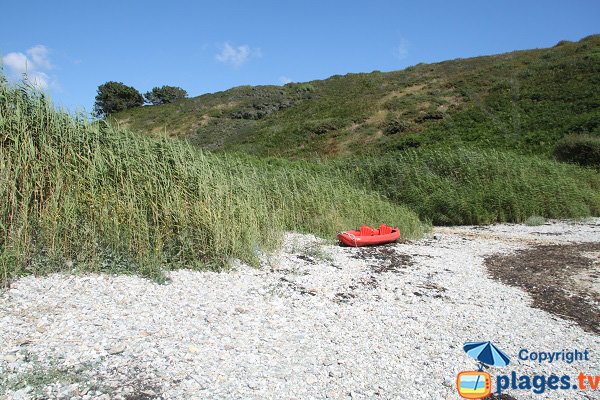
column 83, row 195
column 524, row 101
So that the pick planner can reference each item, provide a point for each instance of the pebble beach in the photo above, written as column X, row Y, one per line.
column 315, row 321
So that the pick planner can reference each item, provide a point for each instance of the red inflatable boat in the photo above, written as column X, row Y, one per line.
column 368, row 236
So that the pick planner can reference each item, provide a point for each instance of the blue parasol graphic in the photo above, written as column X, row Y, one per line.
column 486, row 353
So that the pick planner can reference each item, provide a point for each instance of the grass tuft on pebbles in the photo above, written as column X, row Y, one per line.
column 535, row 220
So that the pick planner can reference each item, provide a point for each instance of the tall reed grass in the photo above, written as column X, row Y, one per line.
column 454, row 186
column 78, row 194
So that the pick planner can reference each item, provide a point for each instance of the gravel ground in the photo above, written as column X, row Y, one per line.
column 316, row 321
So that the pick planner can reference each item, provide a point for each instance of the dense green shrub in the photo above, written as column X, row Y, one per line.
column 394, row 125
column 320, row 127
column 165, row 94
column 299, row 87
column 579, row 149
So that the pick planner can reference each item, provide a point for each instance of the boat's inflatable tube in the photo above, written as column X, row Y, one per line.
column 368, row 236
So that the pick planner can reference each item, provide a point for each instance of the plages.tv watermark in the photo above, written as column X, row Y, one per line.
column 479, row 384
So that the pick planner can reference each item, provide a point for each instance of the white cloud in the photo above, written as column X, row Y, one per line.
column 284, row 79
column 236, row 56
column 35, row 64
column 401, row 51
column 17, row 62
column 39, row 55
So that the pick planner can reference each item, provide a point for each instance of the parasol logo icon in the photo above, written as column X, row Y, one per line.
column 478, row 384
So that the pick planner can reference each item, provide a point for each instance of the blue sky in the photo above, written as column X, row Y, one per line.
column 71, row 47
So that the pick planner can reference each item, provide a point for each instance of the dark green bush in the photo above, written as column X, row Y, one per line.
column 300, row 87
column 579, row 149
column 320, row 127
column 165, row 94
column 394, row 126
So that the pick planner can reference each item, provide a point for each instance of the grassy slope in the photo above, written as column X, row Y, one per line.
column 523, row 101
